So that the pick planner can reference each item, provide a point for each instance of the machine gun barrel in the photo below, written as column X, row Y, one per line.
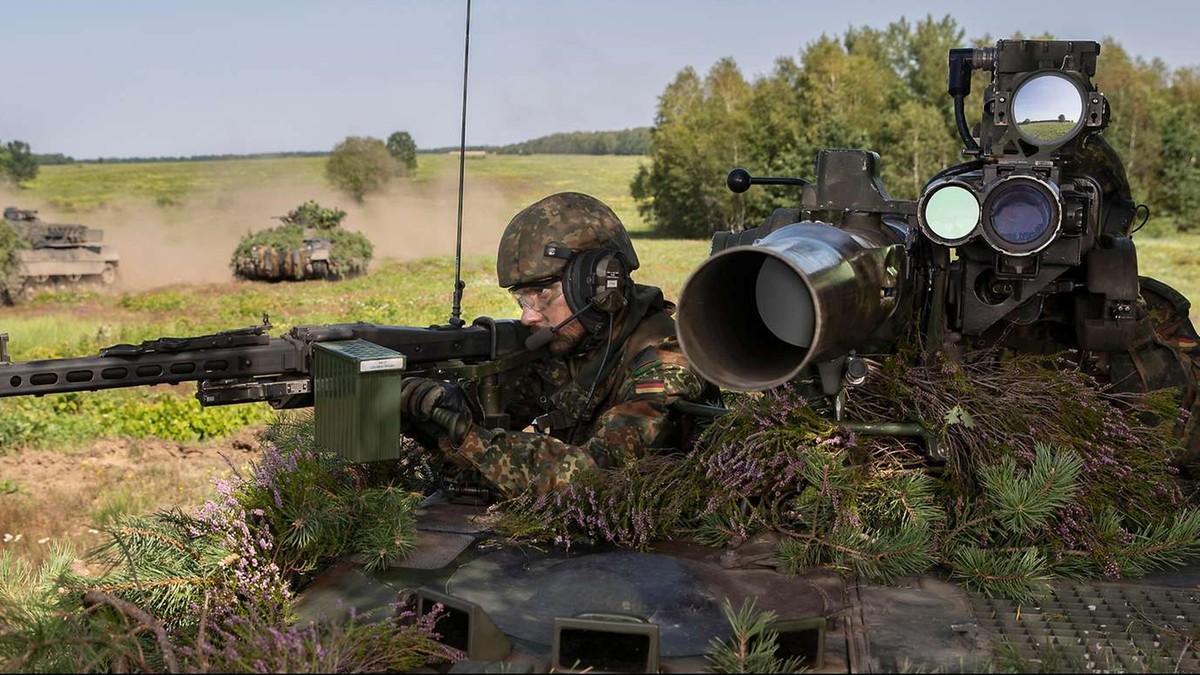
column 247, row 365
column 350, row 373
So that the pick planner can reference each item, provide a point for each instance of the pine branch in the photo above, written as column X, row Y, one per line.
column 1025, row 503
column 752, row 645
column 1168, row 544
column 1020, row 574
column 92, row 598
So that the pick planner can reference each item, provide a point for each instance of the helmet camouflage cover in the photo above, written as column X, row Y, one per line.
column 577, row 221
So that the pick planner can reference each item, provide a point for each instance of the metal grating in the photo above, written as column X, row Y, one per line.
column 1099, row 628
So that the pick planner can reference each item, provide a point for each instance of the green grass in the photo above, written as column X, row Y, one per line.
column 1174, row 260
column 523, row 179
column 81, row 188
column 84, row 187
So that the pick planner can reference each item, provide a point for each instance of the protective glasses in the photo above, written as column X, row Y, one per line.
column 537, row 297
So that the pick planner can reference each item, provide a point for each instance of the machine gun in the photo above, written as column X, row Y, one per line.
column 1039, row 221
column 349, row 372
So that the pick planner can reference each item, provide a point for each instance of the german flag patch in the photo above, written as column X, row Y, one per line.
column 647, row 388
column 1186, row 343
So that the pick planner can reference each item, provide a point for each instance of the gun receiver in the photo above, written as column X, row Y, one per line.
column 348, row 371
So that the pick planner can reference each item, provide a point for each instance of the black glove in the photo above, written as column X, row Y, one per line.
column 420, row 396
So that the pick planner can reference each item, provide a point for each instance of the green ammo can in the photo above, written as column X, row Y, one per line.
column 356, row 393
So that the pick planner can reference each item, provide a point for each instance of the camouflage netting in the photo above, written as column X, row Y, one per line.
column 1046, row 475
column 310, row 244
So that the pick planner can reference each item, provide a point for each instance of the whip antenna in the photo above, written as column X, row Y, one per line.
column 456, row 310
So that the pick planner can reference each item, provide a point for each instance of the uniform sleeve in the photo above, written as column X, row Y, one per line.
column 640, row 419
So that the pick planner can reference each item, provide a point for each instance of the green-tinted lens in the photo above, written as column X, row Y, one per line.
column 951, row 213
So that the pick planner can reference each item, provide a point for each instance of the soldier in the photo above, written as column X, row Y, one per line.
column 605, row 394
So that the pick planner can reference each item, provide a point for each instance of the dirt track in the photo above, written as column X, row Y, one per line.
column 194, row 242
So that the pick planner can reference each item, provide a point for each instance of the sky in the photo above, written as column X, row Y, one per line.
column 125, row 78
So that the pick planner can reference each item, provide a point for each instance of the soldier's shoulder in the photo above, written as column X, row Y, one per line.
column 661, row 369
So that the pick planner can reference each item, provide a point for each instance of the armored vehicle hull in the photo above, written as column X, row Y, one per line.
column 310, row 261
column 308, row 244
column 59, row 256
column 601, row 609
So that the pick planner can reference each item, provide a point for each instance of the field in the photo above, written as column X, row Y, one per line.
column 72, row 462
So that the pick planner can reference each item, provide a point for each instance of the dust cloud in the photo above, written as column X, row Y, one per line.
column 193, row 243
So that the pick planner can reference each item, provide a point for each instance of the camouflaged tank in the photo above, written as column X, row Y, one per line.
column 309, row 244
column 43, row 255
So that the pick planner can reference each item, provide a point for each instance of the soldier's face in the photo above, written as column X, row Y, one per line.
column 546, row 310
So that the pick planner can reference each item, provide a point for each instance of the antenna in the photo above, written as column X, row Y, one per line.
column 456, row 310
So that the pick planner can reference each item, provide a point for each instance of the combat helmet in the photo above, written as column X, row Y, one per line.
column 574, row 221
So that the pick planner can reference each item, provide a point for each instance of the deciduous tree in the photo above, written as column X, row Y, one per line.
column 403, row 149
column 17, row 162
column 359, row 166
column 700, row 134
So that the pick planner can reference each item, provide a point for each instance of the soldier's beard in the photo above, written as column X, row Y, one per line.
column 567, row 338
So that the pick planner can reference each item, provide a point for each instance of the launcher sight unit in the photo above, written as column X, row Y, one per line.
column 1039, row 221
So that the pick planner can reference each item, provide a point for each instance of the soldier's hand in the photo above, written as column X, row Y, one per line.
column 420, row 395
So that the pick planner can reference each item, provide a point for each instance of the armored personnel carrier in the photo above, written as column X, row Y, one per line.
column 56, row 255
column 310, row 244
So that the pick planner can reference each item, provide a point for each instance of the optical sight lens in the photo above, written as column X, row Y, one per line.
column 950, row 213
column 1021, row 213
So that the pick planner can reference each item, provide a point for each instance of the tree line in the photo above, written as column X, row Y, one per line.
column 625, row 142
column 884, row 90
column 634, row 141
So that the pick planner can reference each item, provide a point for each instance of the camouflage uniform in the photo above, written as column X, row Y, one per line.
column 1166, row 354
column 626, row 416
column 599, row 408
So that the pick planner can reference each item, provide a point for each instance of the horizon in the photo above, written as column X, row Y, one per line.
column 145, row 79
column 281, row 153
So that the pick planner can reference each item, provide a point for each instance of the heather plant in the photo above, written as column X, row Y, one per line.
column 651, row 498
column 319, row 506
column 212, row 590
column 1047, row 474
column 397, row 643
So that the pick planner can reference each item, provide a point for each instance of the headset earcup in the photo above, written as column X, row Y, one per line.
column 595, row 275
column 610, row 282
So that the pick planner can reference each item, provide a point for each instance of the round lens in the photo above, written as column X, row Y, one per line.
column 951, row 213
column 1047, row 109
column 1021, row 213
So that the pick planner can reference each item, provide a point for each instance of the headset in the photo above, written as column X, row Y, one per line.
column 595, row 282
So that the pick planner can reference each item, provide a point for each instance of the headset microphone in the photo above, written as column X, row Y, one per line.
column 543, row 336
